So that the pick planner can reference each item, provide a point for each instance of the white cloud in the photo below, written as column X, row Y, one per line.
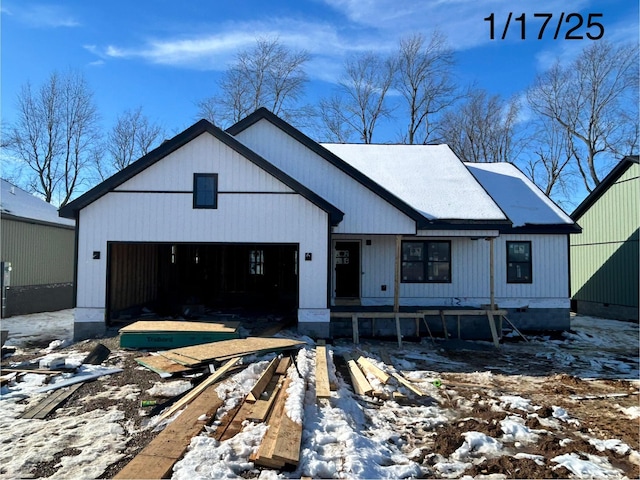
column 43, row 16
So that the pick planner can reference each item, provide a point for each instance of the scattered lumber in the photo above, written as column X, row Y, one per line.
column 263, row 381
column 323, row 387
column 161, row 365
column 263, row 456
column 50, row 403
column 197, row 390
column 220, row 351
column 175, row 334
column 371, row 368
column 360, row 383
column 157, row 458
column 236, row 424
column 406, row 383
column 262, row 407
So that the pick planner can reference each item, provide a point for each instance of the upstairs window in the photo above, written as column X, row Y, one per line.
column 519, row 262
column 426, row 262
column 205, row 190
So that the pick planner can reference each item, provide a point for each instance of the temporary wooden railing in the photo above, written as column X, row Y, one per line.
column 492, row 315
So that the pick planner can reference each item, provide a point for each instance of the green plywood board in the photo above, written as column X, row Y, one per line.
column 171, row 339
column 175, row 334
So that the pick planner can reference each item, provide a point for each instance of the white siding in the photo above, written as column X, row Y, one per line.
column 204, row 154
column 470, row 285
column 278, row 217
column 365, row 211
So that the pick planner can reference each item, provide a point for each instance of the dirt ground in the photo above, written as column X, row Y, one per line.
column 469, row 396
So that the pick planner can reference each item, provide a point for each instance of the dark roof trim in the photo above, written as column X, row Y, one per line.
column 16, row 218
column 263, row 113
column 71, row 209
column 559, row 228
column 604, row 185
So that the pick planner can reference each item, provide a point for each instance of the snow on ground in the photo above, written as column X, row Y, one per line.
column 347, row 436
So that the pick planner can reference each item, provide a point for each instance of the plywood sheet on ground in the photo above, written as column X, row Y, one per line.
column 161, row 365
column 175, row 334
column 225, row 349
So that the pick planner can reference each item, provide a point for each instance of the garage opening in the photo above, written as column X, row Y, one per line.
column 197, row 279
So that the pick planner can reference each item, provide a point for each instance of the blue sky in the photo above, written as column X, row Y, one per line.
column 165, row 55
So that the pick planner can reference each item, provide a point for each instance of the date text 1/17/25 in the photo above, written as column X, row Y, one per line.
column 576, row 26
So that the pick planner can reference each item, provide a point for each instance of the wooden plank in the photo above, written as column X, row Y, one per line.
column 226, row 349
column 197, row 390
column 287, row 446
column 283, row 366
column 168, row 326
column 157, row 458
column 181, row 359
column 263, row 455
column 162, row 365
column 373, row 369
column 50, row 403
column 403, row 381
column 398, row 331
column 237, row 423
column 323, row 388
column 444, row 325
column 263, row 381
column 262, row 408
column 226, row 421
column 360, row 383
column 492, row 326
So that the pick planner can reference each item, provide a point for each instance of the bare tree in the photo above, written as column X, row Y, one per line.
column 483, row 128
column 268, row 75
column 424, row 80
column 54, row 133
column 590, row 97
column 360, row 100
column 131, row 137
column 551, row 153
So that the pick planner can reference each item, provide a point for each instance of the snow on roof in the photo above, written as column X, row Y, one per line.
column 519, row 198
column 15, row 201
column 429, row 178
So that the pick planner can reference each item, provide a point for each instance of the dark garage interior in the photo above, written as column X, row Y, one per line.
column 200, row 280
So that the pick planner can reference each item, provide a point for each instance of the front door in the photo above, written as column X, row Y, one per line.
column 347, row 261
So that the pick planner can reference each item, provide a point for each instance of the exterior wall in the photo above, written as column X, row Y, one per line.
column 541, row 305
column 367, row 213
column 604, row 258
column 157, row 206
column 42, row 259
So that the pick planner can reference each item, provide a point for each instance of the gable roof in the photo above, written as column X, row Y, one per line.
column 606, row 183
column 264, row 114
column 17, row 204
column 429, row 178
column 523, row 202
column 203, row 126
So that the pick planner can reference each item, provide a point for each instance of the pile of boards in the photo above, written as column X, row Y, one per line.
column 185, row 359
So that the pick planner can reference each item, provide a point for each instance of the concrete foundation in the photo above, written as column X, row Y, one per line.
column 607, row 310
column 23, row 300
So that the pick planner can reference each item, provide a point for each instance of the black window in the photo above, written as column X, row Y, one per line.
column 205, row 190
column 519, row 262
column 426, row 262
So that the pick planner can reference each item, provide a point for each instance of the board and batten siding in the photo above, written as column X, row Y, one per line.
column 470, row 284
column 604, row 258
column 157, row 206
column 368, row 213
column 39, row 254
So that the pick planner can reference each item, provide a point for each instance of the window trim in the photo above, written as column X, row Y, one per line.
column 425, row 262
column 529, row 263
column 196, row 176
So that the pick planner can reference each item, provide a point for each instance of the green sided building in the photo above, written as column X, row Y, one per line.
column 604, row 259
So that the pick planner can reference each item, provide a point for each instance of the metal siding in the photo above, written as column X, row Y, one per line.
column 365, row 211
column 604, row 258
column 39, row 254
